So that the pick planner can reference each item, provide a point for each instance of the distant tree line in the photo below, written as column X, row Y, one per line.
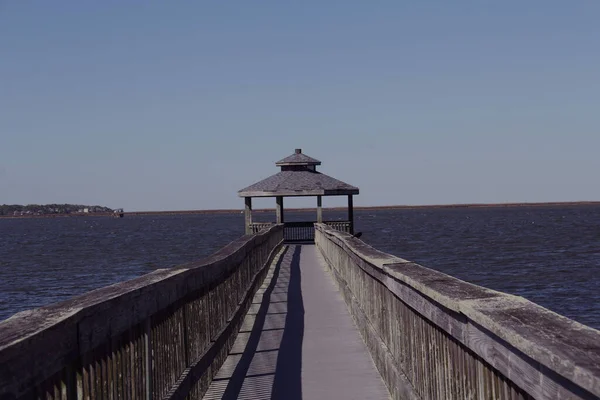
column 46, row 209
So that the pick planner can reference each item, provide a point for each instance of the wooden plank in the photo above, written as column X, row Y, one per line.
column 85, row 378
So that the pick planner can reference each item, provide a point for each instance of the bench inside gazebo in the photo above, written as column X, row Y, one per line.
column 298, row 178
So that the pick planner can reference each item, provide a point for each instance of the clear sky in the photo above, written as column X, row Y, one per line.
column 163, row 105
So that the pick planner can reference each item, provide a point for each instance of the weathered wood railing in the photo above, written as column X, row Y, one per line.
column 161, row 336
column 342, row 226
column 305, row 231
column 299, row 231
column 260, row 226
column 436, row 337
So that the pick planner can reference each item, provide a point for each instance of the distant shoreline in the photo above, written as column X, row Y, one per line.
column 392, row 207
column 356, row 208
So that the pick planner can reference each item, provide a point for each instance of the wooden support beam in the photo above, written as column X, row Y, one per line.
column 279, row 210
column 351, row 213
column 319, row 209
column 248, row 214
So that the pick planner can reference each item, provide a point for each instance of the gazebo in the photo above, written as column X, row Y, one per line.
column 298, row 177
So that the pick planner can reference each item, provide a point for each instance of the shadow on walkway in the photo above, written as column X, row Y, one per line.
column 288, row 373
column 270, row 365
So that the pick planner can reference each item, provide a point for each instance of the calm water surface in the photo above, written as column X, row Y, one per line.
column 549, row 255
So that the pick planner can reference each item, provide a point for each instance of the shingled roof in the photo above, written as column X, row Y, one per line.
column 302, row 180
column 298, row 158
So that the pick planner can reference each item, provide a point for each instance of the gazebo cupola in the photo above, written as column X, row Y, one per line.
column 299, row 177
column 298, row 162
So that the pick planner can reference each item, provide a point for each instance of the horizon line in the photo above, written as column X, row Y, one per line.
column 389, row 207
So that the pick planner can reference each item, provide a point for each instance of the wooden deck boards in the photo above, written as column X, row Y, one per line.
column 298, row 340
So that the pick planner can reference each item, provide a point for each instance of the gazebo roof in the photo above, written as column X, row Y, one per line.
column 301, row 180
column 298, row 159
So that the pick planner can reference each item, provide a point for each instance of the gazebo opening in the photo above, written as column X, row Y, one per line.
column 298, row 177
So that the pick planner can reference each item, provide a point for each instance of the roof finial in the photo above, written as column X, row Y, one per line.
column 298, row 151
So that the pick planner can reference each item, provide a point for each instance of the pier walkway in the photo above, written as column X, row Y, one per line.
column 298, row 340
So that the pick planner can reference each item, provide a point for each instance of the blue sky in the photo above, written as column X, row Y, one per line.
column 160, row 105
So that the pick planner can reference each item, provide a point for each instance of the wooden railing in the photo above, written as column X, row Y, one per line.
column 161, row 336
column 295, row 232
column 435, row 337
column 260, row 226
column 342, row 226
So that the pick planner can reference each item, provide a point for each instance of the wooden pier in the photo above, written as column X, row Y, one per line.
column 298, row 340
column 269, row 318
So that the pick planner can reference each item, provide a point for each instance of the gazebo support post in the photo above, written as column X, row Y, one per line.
column 279, row 209
column 319, row 209
column 351, row 213
column 248, row 214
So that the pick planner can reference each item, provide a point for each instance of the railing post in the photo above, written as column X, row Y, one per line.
column 148, row 350
column 186, row 356
column 248, row 214
column 279, row 210
column 319, row 209
column 72, row 381
column 351, row 213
